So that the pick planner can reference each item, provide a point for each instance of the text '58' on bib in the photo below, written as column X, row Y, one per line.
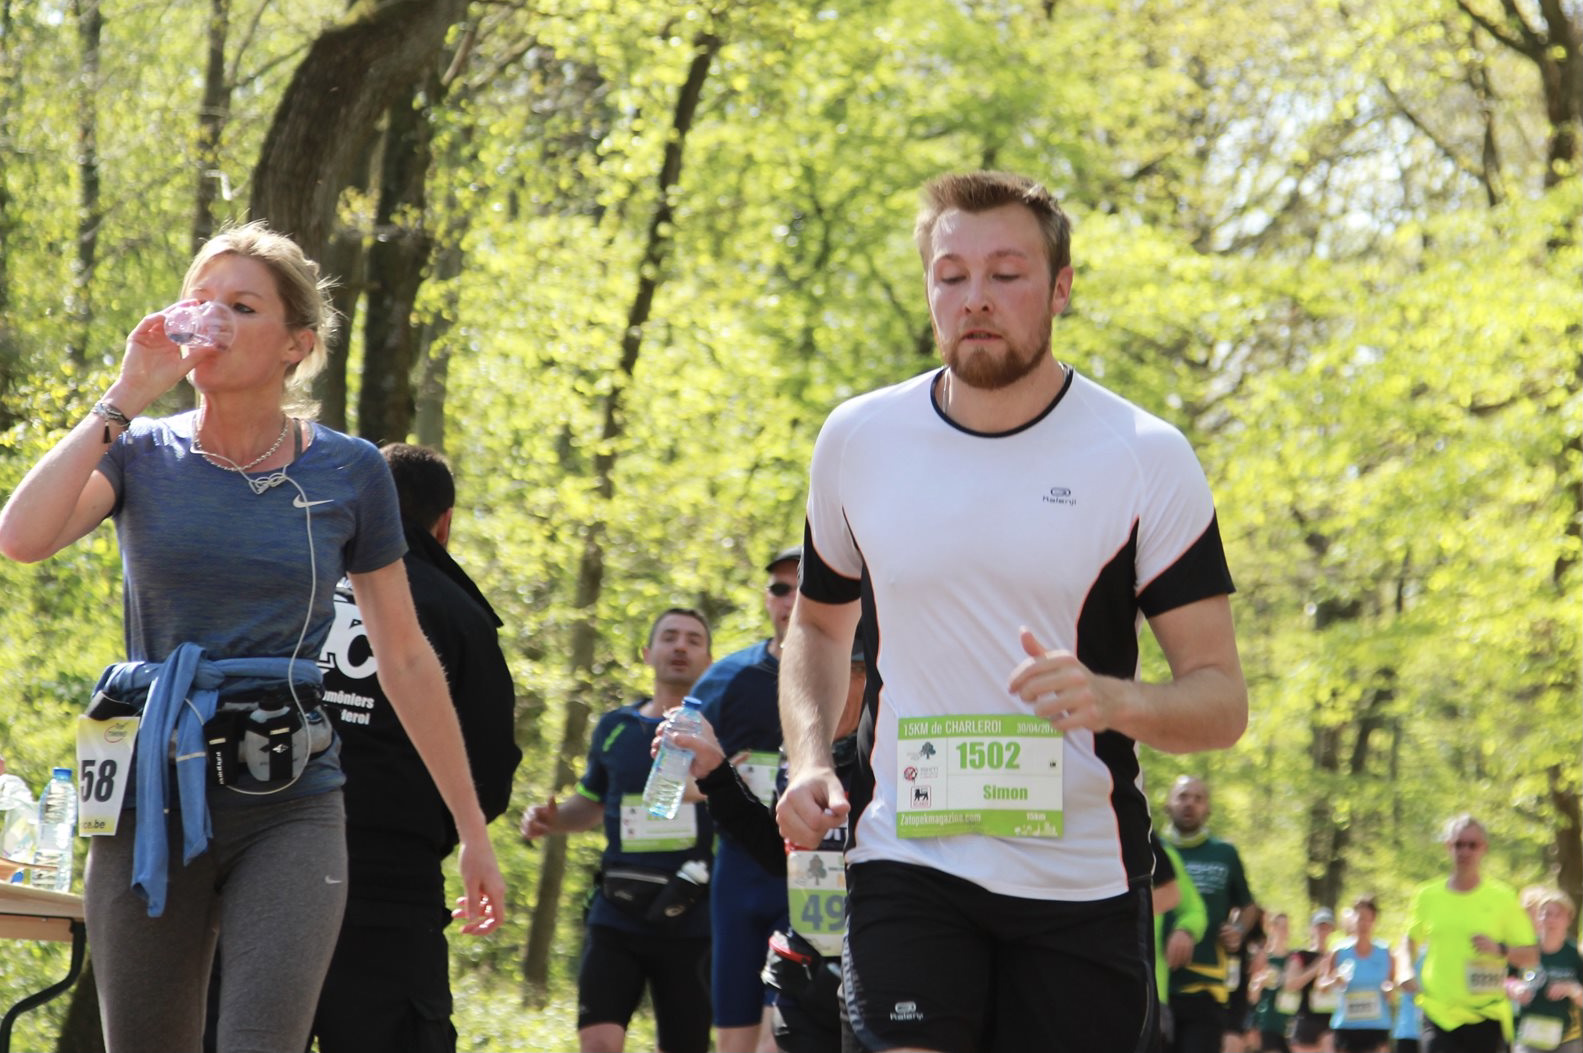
column 104, row 767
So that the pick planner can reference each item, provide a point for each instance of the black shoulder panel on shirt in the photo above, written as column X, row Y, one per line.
column 1200, row 573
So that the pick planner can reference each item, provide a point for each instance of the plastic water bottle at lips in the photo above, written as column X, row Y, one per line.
column 57, row 832
column 669, row 774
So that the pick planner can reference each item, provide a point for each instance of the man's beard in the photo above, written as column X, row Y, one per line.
column 674, row 678
column 991, row 372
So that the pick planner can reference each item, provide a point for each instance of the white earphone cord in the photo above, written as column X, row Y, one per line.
column 258, row 486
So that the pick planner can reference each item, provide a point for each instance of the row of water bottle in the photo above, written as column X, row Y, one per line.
column 40, row 832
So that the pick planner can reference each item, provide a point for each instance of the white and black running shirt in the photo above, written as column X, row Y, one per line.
column 1078, row 525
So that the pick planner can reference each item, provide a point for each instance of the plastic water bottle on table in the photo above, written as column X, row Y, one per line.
column 57, row 833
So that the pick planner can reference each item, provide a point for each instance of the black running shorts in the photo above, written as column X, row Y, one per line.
column 1359, row 1039
column 940, row 963
column 617, row 964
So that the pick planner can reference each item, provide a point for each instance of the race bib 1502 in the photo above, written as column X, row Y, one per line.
column 994, row 774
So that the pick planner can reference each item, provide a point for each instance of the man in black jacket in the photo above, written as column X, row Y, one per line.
column 389, row 982
column 803, row 963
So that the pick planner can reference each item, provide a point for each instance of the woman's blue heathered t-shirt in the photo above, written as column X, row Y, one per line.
column 208, row 561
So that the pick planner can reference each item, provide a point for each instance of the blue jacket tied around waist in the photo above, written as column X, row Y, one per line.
column 179, row 696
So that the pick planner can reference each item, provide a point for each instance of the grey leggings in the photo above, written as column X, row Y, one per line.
column 273, row 880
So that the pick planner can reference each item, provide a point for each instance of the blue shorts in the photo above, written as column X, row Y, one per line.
column 746, row 905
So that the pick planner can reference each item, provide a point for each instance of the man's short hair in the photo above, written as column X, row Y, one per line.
column 982, row 191
column 689, row 612
column 425, row 487
column 1457, row 824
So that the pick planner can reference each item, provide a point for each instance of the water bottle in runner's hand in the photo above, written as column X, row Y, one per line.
column 668, row 777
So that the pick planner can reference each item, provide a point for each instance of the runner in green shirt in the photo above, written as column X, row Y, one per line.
column 1550, row 998
column 1200, row 987
column 1264, row 987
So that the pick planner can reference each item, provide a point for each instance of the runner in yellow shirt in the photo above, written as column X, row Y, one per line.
column 1470, row 928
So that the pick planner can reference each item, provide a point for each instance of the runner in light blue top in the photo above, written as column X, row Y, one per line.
column 1362, row 974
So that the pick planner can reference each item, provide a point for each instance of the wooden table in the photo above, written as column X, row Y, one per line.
column 39, row 914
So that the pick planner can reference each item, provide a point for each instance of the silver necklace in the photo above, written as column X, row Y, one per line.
column 232, row 466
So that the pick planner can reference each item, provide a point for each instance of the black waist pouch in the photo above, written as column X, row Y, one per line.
column 259, row 747
column 633, row 889
column 675, row 901
column 651, row 896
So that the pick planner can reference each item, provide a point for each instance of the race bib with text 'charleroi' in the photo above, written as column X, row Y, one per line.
column 996, row 774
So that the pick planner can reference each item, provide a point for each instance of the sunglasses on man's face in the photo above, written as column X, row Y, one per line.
column 779, row 589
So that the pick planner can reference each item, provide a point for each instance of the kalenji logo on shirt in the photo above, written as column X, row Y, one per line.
column 1059, row 495
column 906, row 1011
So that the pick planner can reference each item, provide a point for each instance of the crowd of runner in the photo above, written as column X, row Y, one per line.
column 927, row 782
column 1478, row 968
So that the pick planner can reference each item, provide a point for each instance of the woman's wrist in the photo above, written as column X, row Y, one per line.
column 111, row 414
column 122, row 397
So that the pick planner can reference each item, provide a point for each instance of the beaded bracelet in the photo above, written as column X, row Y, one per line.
column 111, row 416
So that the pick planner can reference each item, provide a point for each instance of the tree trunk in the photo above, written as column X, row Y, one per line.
column 1568, row 834
column 213, row 112
column 433, row 352
column 590, row 575
column 1564, row 796
column 1560, row 62
column 1324, row 876
column 344, row 258
column 10, row 104
column 574, row 745
column 352, row 74
column 434, row 355
column 396, row 261
column 1553, row 43
column 1328, row 835
column 90, row 30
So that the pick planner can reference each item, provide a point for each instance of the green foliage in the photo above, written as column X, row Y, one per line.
column 1284, row 242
